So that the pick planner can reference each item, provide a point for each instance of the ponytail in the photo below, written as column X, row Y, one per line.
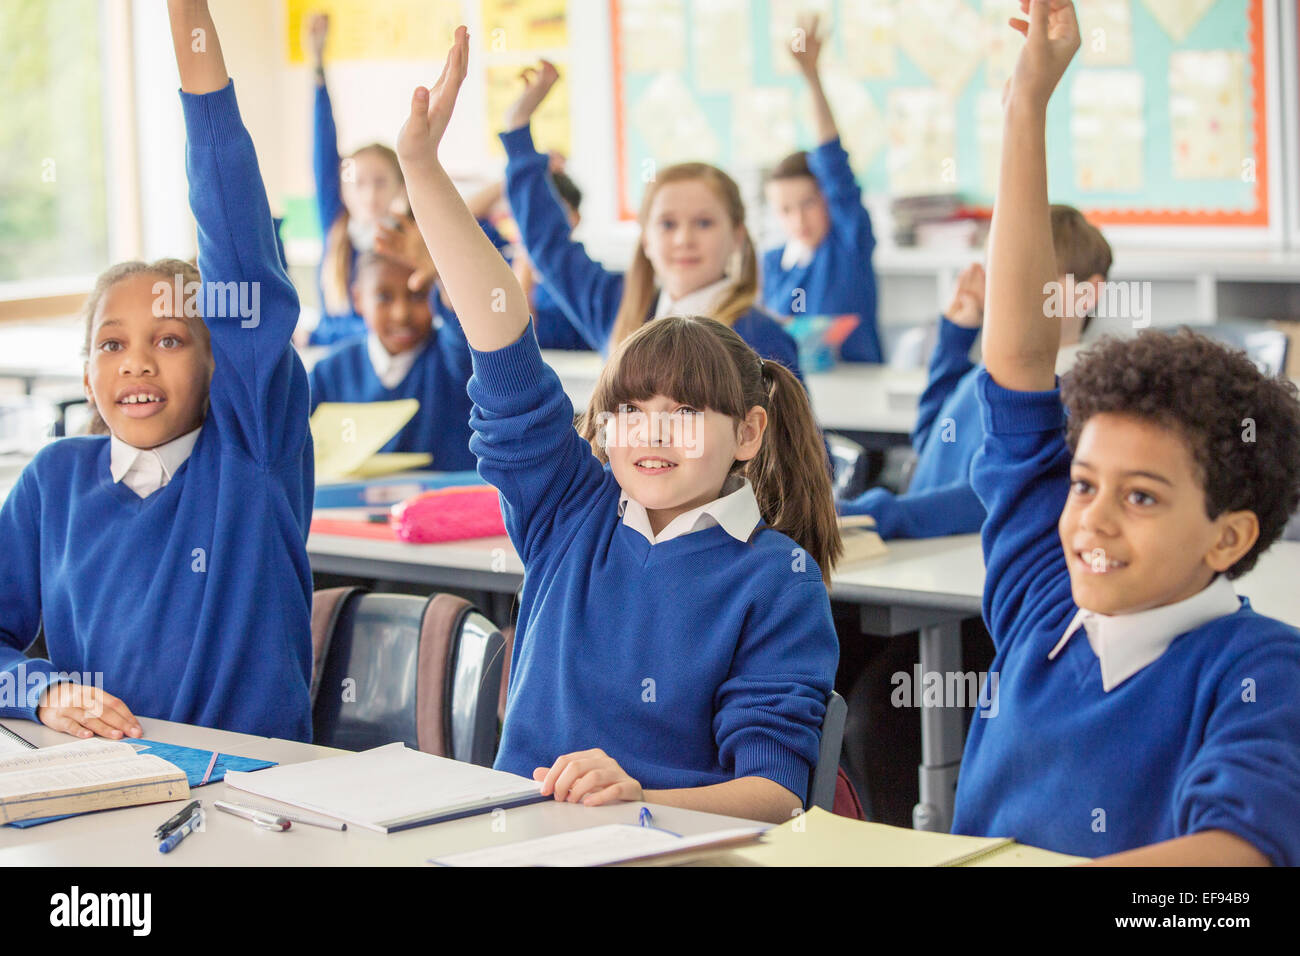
column 337, row 274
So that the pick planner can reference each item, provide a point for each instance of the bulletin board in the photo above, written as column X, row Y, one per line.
column 1163, row 119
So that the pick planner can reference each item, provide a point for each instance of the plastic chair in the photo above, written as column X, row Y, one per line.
column 821, row 785
column 396, row 667
column 849, row 466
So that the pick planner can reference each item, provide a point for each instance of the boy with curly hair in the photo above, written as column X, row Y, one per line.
column 1145, row 710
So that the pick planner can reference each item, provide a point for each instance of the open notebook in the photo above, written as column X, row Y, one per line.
column 389, row 788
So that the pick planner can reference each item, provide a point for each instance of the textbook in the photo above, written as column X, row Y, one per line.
column 860, row 539
column 819, row 838
column 86, row 775
column 389, row 788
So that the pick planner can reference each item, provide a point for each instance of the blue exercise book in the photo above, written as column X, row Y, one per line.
column 382, row 492
column 192, row 760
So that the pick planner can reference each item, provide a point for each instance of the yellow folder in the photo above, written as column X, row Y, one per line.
column 348, row 435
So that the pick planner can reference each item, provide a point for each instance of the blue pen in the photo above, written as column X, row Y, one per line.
column 185, row 829
column 649, row 821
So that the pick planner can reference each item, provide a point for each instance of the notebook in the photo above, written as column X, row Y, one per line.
column 389, row 788
column 347, row 437
column 599, row 846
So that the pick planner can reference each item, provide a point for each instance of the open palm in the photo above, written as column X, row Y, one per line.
column 1051, row 39
column 431, row 109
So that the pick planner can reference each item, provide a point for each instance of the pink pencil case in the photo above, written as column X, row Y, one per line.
column 448, row 514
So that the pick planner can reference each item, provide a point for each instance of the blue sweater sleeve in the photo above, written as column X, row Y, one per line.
column 949, row 509
column 850, row 221
column 587, row 293
column 1022, row 475
column 20, row 604
column 1245, row 777
column 259, row 393
column 526, row 445
column 325, row 161
column 949, row 363
column 771, row 706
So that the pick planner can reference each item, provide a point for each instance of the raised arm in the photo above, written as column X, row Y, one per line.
column 325, row 137
column 1020, row 338
column 807, row 50
column 198, row 49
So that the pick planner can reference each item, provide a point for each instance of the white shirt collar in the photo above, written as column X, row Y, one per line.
column 796, row 253
column 700, row 302
column 390, row 369
column 145, row 470
column 736, row 510
column 1126, row 643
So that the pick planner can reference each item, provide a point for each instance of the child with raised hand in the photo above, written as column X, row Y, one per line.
column 939, row 499
column 675, row 642
column 168, row 558
column 824, row 268
column 694, row 255
column 1146, row 714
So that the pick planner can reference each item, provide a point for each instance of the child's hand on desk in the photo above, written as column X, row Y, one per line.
column 967, row 306
column 537, row 84
column 83, row 711
column 589, row 777
column 431, row 109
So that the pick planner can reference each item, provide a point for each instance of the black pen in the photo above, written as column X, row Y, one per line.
column 175, row 821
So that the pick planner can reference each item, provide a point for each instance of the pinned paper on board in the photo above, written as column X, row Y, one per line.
column 654, row 35
column 392, row 30
column 988, row 134
column 724, row 50
column 1106, row 32
column 348, row 435
column 763, row 125
column 862, row 127
column 922, row 130
column 943, row 38
column 869, row 35
column 524, row 25
column 1207, row 114
column 1002, row 45
column 1178, row 17
column 671, row 122
column 550, row 124
column 783, row 22
column 1108, row 130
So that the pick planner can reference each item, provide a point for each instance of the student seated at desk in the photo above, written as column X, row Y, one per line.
column 824, row 268
column 167, row 557
column 403, row 356
column 1146, row 714
column 672, row 645
column 939, row 500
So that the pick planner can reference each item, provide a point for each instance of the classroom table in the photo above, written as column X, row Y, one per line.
column 125, row 837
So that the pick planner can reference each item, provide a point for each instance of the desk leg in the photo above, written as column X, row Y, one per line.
column 941, row 732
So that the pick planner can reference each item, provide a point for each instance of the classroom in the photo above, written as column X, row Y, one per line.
column 781, row 433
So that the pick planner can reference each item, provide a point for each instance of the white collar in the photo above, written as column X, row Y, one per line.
column 700, row 302
column 736, row 510
column 1126, row 643
column 390, row 369
column 145, row 470
column 796, row 253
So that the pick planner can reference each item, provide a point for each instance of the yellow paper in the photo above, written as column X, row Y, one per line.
column 724, row 52
column 347, row 434
column 520, row 25
column 391, row 463
column 362, row 30
column 942, row 37
column 870, row 34
column 550, row 124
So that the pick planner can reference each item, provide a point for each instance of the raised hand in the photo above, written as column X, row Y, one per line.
column 537, row 84
column 315, row 33
column 405, row 244
column 431, row 109
column 809, row 51
column 1051, row 39
column 967, row 306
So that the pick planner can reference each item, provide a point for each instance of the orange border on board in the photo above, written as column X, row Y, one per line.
column 1108, row 217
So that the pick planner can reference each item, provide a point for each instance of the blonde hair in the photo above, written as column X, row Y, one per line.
column 336, row 277
column 703, row 363
column 639, row 286
column 168, row 269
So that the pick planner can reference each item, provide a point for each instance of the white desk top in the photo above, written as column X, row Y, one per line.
column 125, row 837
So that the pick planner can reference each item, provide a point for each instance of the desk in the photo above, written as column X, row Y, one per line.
column 125, row 837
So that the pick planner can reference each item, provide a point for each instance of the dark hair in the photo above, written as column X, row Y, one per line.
column 371, row 259
column 793, row 166
column 1206, row 393
column 167, row 270
column 337, row 271
column 703, row 363
column 568, row 189
column 1081, row 250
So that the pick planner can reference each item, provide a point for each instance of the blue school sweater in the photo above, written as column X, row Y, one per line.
column 588, row 293
column 691, row 662
column 554, row 329
column 437, row 380
column 193, row 603
column 1205, row 737
column 939, row 499
column 839, row 279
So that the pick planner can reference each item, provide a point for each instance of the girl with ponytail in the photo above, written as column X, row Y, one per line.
column 675, row 642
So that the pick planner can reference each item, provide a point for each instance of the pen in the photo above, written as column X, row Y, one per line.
column 176, row 820
column 647, row 820
column 268, row 821
column 173, row 840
